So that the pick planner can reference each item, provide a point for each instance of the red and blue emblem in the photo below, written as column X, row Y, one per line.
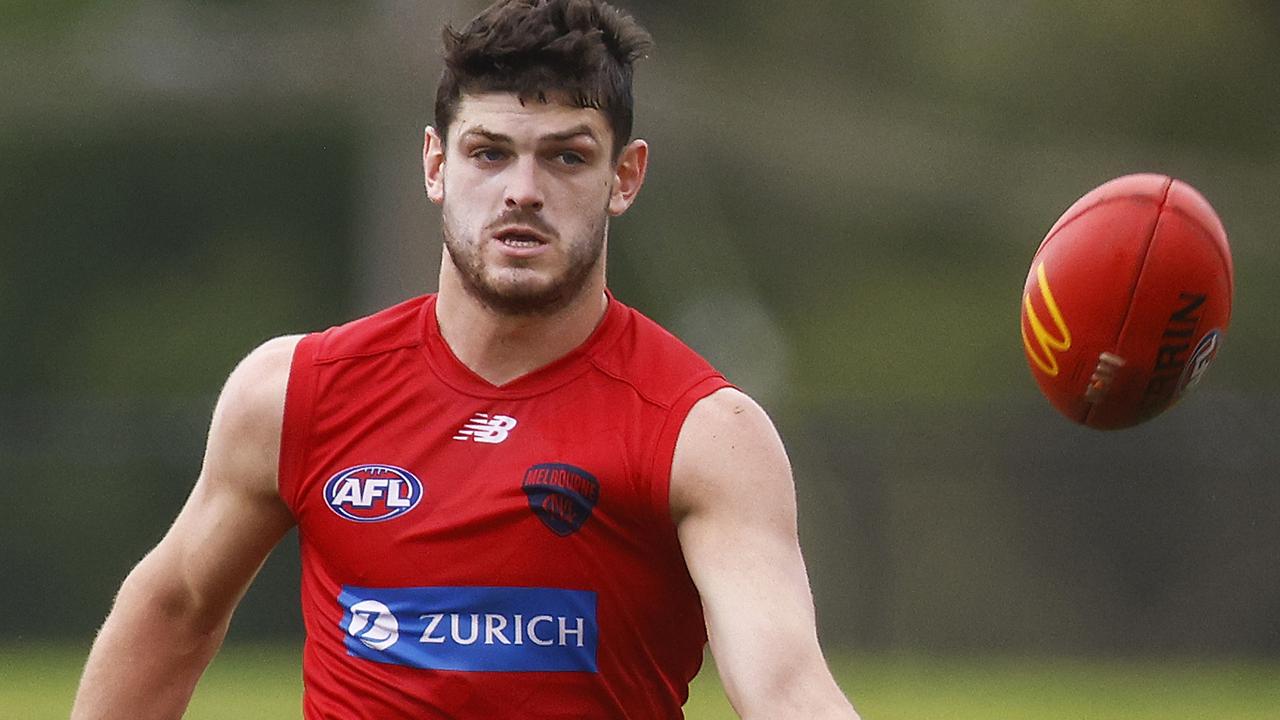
column 372, row 493
column 561, row 496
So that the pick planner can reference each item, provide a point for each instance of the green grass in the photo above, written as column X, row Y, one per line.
column 246, row 683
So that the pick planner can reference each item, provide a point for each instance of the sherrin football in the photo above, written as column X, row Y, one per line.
column 1127, row 301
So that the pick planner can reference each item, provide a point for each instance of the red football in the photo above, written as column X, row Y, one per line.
column 1127, row 301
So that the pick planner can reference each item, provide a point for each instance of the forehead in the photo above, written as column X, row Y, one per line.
column 503, row 113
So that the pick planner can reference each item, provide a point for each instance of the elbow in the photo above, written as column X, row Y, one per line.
column 162, row 598
column 810, row 693
column 832, row 708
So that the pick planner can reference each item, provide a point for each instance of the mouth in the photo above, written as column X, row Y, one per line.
column 520, row 237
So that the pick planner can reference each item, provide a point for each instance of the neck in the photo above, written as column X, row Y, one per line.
column 500, row 347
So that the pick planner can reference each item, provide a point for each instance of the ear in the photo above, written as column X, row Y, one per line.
column 433, row 165
column 628, row 176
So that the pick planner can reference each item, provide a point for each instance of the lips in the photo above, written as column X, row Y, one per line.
column 520, row 237
column 521, row 241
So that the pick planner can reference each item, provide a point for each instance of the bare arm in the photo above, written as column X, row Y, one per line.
column 172, row 611
column 733, row 501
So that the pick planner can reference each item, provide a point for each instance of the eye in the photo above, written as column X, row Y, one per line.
column 488, row 154
column 569, row 157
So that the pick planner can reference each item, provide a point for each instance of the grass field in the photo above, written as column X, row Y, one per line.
column 249, row 683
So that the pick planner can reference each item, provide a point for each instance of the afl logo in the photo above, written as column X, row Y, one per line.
column 372, row 493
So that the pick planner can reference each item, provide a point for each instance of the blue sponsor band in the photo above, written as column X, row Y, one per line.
column 493, row 629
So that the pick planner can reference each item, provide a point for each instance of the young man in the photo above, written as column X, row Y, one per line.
column 516, row 498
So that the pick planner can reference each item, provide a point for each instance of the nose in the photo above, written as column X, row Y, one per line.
column 524, row 189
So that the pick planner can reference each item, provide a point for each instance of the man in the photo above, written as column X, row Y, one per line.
column 516, row 498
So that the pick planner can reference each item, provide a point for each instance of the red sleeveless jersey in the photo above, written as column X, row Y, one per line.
column 475, row 551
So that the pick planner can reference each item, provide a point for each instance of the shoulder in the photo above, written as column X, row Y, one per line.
column 727, row 451
column 258, row 382
column 653, row 360
column 244, row 437
column 396, row 327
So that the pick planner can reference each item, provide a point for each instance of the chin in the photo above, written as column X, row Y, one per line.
column 527, row 298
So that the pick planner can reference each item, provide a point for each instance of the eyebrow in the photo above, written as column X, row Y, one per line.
column 573, row 132
column 490, row 136
column 577, row 131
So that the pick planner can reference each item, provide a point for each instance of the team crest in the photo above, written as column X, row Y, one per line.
column 562, row 496
column 372, row 493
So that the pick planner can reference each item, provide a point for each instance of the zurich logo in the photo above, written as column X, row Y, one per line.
column 372, row 493
column 472, row 628
column 373, row 624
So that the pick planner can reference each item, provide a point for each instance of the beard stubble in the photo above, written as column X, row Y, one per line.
column 525, row 298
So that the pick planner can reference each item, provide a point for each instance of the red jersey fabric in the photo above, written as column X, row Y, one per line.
column 480, row 551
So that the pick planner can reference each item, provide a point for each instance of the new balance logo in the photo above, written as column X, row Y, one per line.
column 485, row 428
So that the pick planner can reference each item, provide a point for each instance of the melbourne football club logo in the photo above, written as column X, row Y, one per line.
column 562, row 496
column 485, row 428
column 373, row 624
column 372, row 493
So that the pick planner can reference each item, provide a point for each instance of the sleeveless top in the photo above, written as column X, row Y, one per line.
column 481, row 551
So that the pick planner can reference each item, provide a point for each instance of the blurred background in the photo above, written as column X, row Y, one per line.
column 843, row 201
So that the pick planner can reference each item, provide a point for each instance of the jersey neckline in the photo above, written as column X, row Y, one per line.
column 446, row 365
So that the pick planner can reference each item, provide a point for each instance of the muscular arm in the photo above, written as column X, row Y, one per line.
column 172, row 611
column 734, row 505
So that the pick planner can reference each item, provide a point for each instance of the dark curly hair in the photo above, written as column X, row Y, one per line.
column 579, row 50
